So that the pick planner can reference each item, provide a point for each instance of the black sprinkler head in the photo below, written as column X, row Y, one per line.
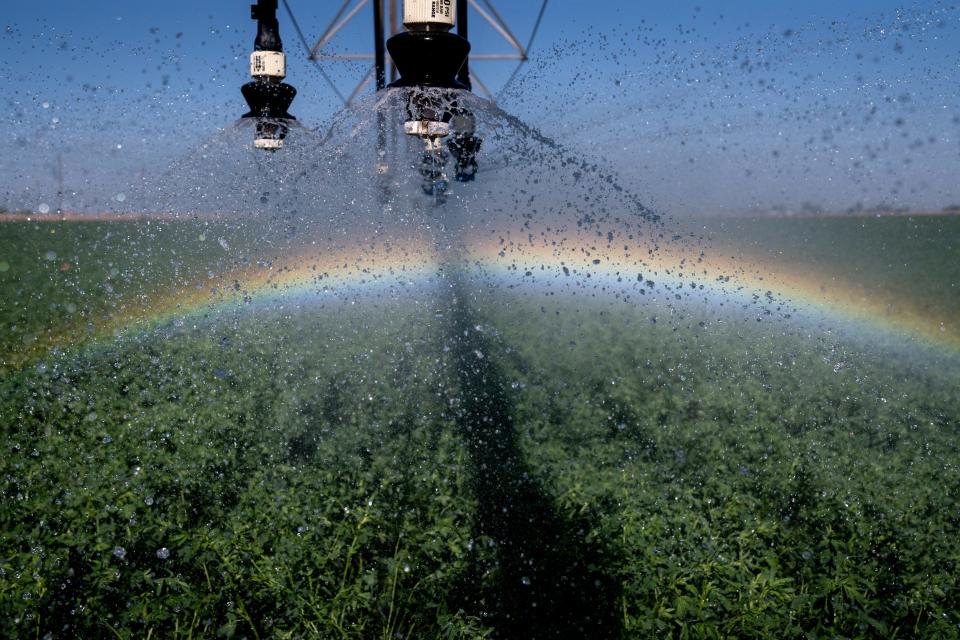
column 429, row 59
column 268, row 103
column 268, row 99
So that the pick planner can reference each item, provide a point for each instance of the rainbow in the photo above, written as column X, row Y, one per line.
column 306, row 277
column 632, row 268
column 724, row 274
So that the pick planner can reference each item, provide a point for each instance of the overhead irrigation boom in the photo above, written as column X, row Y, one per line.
column 431, row 62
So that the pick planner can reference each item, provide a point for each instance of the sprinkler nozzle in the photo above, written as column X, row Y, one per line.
column 428, row 116
column 433, row 116
column 465, row 145
column 267, row 95
column 269, row 102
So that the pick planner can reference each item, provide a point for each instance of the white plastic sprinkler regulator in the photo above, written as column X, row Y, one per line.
column 429, row 15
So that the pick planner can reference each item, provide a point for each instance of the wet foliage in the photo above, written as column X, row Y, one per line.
column 213, row 488
column 772, row 503
column 483, row 461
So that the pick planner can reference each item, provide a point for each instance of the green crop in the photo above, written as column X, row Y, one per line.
column 523, row 465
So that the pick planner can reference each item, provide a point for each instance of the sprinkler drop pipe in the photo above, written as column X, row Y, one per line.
column 462, row 30
column 267, row 95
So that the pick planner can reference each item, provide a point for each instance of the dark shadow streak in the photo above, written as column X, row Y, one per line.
column 547, row 580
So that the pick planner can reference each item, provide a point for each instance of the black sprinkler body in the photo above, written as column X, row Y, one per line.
column 268, row 97
column 268, row 100
column 428, row 58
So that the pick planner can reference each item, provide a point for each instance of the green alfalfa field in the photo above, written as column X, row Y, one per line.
column 509, row 465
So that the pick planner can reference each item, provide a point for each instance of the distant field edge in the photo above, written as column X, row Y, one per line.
column 105, row 216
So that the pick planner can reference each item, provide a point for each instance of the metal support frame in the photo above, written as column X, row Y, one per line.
column 335, row 27
column 379, row 47
column 468, row 76
column 500, row 27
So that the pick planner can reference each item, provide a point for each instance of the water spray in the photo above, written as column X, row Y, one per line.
column 464, row 145
column 429, row 58
column 267, row 95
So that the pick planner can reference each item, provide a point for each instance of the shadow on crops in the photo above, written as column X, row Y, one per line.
column 547, row 581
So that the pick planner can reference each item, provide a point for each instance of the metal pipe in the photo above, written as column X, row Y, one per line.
column 499, row 27
column 483, row 88
column 380, row 54
column 323, row 37
column 498, row 56
column 503, row 23
column 463, row 31
column 393, row 32
column 345, row 56
column 268, row 28
column 333, row 30
column 360, row 87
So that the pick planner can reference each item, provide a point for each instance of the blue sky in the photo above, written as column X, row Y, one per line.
column 135, row 83
column 138, row 40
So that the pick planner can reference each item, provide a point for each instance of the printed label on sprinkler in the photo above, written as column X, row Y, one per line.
column 270, row 64
column 429, row 13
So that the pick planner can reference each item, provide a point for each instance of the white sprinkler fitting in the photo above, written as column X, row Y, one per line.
column 268, row 144
column 426, row 128
column 429, row 15
column 268, row 64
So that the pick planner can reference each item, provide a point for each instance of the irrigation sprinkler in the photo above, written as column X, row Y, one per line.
column 430, row 59
column 267, row 95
